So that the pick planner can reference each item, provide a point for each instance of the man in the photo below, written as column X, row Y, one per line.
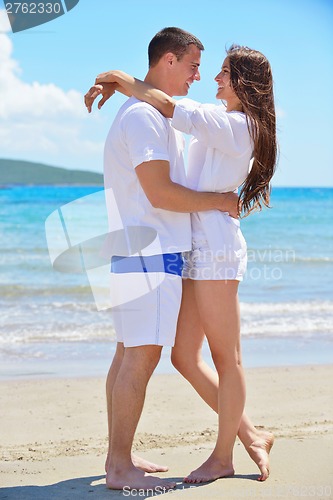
column 144, row 167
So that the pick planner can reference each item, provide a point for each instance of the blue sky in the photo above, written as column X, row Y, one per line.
column 45, row 71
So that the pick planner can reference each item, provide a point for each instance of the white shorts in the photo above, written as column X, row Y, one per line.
column 146, row 307
column 203, row 264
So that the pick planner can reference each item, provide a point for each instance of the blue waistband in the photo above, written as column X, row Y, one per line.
column 171, row 263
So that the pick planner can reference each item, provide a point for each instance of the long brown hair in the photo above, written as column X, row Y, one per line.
column 252, row 81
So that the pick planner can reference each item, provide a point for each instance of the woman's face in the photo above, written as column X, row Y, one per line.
column 224, row 89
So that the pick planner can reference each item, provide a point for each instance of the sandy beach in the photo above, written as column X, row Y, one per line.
column 53, row 436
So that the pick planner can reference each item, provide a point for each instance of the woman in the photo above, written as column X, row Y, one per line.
column 225, row 142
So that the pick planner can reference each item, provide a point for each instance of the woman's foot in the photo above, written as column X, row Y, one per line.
column 210, row 470
column 142, row 464
column 130, row 477
column 259, row 452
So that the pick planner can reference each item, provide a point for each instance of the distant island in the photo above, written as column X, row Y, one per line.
column 18, row 172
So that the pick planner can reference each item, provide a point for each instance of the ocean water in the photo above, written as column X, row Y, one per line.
column 51, row 324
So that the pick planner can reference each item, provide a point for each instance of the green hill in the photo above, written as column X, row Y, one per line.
column 28, row 173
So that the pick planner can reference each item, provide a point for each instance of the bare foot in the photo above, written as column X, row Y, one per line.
column 259, row 452
column 146, row 466
column 142, row 464
column 209, row 471
column 132, row 478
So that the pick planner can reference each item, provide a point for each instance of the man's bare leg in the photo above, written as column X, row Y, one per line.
column 139, row 462
column 128, row 396
column 187, row 359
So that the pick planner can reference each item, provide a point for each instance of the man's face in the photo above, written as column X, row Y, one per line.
column 185, row 71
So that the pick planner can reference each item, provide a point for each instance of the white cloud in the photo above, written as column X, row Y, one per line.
column 4, row 22
column 42, row 122
column 21, row 99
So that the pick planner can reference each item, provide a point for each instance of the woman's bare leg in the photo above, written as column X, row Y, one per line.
column 187, row 359
column 219, row 312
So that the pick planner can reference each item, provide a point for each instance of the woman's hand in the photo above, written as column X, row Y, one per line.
column 129, row 86
column 111, row 76
column 106, row 90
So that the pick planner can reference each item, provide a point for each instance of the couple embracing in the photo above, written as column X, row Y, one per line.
column 201, row 252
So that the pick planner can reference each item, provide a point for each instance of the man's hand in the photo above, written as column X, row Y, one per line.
column 230, row 204
column 106, row 90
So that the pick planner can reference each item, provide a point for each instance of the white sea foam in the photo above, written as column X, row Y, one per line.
column 308, row 318
column 77, row 322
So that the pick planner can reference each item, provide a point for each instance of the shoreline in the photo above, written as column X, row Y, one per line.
column 54, row 436
column 92, row 359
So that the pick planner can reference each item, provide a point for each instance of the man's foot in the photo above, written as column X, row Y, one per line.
column 133, row 478
column 142, row 464
column 259, row 452
column 209, row 471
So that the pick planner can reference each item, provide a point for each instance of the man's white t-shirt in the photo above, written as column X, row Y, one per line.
column 140, row 134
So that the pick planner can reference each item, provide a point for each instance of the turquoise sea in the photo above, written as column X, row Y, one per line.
column 51, row 325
